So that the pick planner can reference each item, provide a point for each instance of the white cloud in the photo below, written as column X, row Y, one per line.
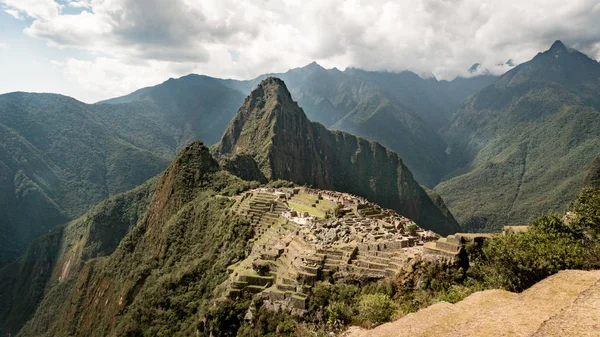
column 37, row 9
column 134, row 42
column 3, row 45
column 15, row 14
column 79, row 4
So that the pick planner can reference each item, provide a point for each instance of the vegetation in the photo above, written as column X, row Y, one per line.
column 592, row 177
column 56, row 161
column 23, row 283
column 521, row 146
column 59, row 156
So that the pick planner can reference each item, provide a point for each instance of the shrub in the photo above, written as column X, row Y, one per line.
column 375, row 309
column 339, row 314
column 516, row 262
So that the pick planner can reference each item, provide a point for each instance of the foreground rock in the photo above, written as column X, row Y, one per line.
column 565, row 304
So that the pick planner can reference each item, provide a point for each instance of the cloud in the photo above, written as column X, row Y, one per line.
column 3, row 45
column 36, row 9
column 242, row 39
column 15, row 14
column 79, row 4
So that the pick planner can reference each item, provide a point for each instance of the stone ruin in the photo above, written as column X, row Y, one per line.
column 305, row 235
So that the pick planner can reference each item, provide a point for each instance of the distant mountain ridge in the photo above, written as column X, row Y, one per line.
column 188, row 108
column 272, row 129
column 56, row 160
column 402, row 111
column 521, row 146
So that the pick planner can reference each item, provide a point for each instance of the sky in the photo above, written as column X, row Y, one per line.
column 98, row 49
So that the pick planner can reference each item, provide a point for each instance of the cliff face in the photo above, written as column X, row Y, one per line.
column 273, row 129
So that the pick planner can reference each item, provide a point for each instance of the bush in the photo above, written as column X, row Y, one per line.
column 339, row 314
column 375, row 309
column 516, row 262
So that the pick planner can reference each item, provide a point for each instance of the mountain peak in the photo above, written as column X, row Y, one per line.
column 558, row 46
column 263, row 114
column 313, row 65
column 273, row 131
column 273, row 82
column 270, row 93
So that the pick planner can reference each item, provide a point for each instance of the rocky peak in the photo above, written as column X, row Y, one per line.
column 185, row 174
column 558, row 47
column 263, row 114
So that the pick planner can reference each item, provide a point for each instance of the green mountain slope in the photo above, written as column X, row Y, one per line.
column 184, row 109
column 432, row 100
column 56, row 160
column 177, row 239
column 592, row 178
column 54, row 257
column 521, row 146
column 274, row 130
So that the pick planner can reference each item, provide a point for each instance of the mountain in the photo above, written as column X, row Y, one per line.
column 432, row 100
column 184, row 109
column 56, row 160
column 402, row 111
column 521, row 146
column 144, row 262
column 272, row 129
column 53, row 258
column 101, row 149
column 592, row 178
column 59, row 156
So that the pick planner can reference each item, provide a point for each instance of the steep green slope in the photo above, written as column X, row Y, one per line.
column 56, row 160
column 56, row 256
column 381, row 118
column 274, row 130
column 160, row 278
column 521, row 146
column 592, row 178
column 184, row 109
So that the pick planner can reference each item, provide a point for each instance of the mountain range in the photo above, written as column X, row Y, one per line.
column 126, row 254
column 59, row 156
column 521, row 146
column 490, row 158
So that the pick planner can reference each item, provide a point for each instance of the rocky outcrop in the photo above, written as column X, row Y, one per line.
column 564, row 304
column 271, row 128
